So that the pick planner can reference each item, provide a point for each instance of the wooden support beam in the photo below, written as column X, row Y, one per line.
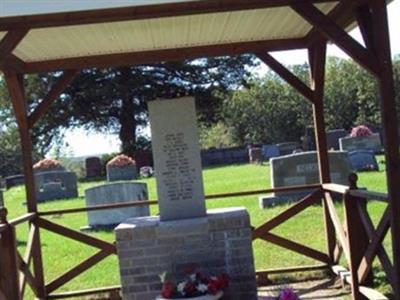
column 364, row 20
column 26, row 276
column 18, row 100
column 155, row 56
column 210, row 197
column 389, row 120
column 9, row 277
column 53, row 94
column 16, row 90
column 365, row 265
column 336, row 34
column 317, row 60
column 10, row 42
column 296, row 247
column 286, row 75
column 338, row 226
column 381, row 252
column 27, row 260
column 342, row 14
column 287, row 214
column 77, row 270
column 352, row 230
column 75, row 235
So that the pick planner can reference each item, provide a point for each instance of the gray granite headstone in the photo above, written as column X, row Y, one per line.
column 222, row 156
column 333, row 136
column 93, row 167
column 116, row 173
column 14, row 180
column 54, row 185
column 255, row 155
column 287, row 148
column 270, row 151
column 372, row 142
column 177, row 161
column 118, row 192
column 302, row 169
column 363, row 160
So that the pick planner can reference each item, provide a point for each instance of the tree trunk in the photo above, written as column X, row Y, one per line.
column 127, row 133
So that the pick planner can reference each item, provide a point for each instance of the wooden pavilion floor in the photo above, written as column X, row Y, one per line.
column 328, row 288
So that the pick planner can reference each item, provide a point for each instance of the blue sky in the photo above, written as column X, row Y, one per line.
column 83, row 144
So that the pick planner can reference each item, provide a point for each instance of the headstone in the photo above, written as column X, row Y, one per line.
column 93, row 167
column 255, row 155
column 308, row 140
column 177, row 162
column 332, row 138
column 53, row 169
column 119, row 192
column 1, row 198
column 363, row 160
column 287, row 148
column 116, row 173
column 302, row 169
column 270, row 151
column 11, row 181
column 372, row 142
column 224, row 156
column 54, row 185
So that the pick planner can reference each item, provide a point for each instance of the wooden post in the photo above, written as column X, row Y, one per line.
column 353, row 225
column 317, row 57
column 390, row 128
column 9, row 272
column 16, row 90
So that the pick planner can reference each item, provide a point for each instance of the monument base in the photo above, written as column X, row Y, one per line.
column 107, row 227
column 219, row 243
column 272, row 200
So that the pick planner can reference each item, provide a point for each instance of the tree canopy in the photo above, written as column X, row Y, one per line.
column 115, row 100
column 271, row 111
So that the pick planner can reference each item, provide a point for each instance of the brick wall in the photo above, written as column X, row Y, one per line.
column 221, row 242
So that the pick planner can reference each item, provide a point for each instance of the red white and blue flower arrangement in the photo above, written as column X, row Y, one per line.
column 195, row 285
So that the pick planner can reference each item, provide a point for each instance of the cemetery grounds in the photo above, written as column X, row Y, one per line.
column 60, row 253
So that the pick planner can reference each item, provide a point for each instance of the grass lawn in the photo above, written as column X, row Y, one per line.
column 60, row 254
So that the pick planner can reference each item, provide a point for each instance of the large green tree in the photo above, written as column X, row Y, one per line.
column 270, row 111
column 114, row 100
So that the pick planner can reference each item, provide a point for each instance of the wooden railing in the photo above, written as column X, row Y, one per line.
column 360, row 240
column 14, row 268
column 357, row 239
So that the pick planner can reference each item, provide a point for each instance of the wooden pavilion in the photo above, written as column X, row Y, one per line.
column 42, row 37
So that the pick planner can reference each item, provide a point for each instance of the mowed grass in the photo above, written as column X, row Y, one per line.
column 60, row 254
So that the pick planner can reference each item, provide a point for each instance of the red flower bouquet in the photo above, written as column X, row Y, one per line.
column 195, row 285
column 361, row 130
column 121, row 161
column 47, row 164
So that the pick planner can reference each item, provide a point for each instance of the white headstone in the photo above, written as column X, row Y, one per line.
column 177, row 161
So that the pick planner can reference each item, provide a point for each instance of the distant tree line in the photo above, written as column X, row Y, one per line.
column 271, row 111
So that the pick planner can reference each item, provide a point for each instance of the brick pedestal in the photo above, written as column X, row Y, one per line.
column 221, row 242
